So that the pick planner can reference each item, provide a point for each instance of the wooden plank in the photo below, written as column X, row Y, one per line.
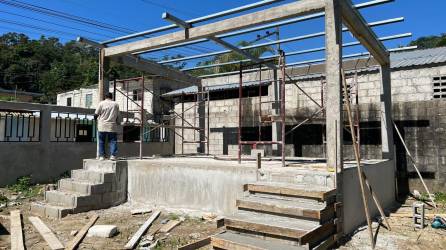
column 269, row 229
column 135, row 238
column 80, row 235
column 197, row 244
column 295, row 9
column 318, row 234
column 169, row 226
column 278, row 209
column 233, row 245
column 16, row 230
column 46, row 233
column 322, row 195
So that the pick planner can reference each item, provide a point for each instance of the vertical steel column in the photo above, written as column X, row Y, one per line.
column 260, row 102
column 240, row 92
column 282, row 105
column 142, row 118
column 182, row 123
column 209, row 129
column 127, row 99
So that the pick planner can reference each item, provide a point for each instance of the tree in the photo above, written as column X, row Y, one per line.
column 426, row 42
column 229, row 57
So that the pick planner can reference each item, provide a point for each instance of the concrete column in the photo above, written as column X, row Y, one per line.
column 334, row 115
column 103, row 81
column 386, row 114
column 275, row 126
column 334, row 119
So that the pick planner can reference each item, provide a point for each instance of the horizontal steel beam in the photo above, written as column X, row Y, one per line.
column 287, row 40
column 171, row 18
column 300, row 52
column 264, row 27
column 195, row 20
column 308, row 62
column 147, row 66
column 286, row 11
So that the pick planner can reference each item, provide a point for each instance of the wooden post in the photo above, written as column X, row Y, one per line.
column 358, row 162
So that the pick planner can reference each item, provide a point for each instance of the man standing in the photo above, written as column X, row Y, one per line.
column 109, row 119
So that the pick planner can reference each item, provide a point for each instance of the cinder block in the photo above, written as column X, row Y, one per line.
column 93, row 201
column 56, row 197
column 38, row 209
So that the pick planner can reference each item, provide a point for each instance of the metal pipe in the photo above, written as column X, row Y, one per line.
column 309, row 62
column 287, row 40
column 239, row 129
column 195, row 20
column 282, row 105
column 141, row 132
column 263, row 27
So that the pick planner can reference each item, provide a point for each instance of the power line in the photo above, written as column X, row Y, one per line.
column 21, row 31
column 163, row 6
column 57, row 24
column 36, row 27
column 66, row 16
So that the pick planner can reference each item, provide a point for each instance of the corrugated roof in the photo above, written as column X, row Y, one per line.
column 397, row 60
column 194, row 89
column 418, row 57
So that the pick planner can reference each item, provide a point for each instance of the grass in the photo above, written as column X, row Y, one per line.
column 3, row 199
column 25, row 187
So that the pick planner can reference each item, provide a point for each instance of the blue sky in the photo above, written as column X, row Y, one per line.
column 422, row 18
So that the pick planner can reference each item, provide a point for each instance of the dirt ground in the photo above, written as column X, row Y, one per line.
column 190, row 230
column 402, row 236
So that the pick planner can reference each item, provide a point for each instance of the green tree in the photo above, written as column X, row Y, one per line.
column 426, row 42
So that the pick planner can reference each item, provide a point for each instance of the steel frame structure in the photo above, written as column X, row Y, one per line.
column 335, row 13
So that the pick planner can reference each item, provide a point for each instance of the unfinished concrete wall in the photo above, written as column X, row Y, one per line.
column 381, row 177
column 189, row 183
column 45, row 160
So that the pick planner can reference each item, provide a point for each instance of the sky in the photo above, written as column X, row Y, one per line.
column 422, row 18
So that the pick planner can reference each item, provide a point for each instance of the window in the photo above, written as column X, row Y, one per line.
column 88, row 100
column 69, row 101
column 439, row 87
column 137, row 95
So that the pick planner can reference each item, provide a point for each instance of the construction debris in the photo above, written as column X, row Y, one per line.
column 46, row 233
column 141, row 211
column 135, row 238
column 80, row 235
column 103, row 231
column 16, row 231
column 169, row 226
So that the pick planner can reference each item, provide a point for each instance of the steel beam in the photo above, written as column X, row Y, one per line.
column 300, row 52
column 359, row 28
column 310, row 62
column 175, row 20
column 147, row 66
column 264, row 27
column 195, row 20
column 286, row 11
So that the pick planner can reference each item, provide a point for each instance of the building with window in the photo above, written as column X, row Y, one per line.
column 419, row 110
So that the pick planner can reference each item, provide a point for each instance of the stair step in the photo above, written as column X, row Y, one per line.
column 318, row 211
column 48, row 210
column 288, row 189
column 232, row 240
column 270, row 224
column 59, row 198
column 82, row 187
column 101, row 166
column 92, row 176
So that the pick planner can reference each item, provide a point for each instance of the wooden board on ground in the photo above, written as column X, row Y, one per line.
column 135, row 238
column 410, row 215
column 141, row 211
column 80, row 235
column 197, row 244
column 46, row 233
column 169, row 226
column 16, row 231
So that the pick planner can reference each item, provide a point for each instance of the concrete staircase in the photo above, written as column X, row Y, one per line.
column 278, row 215
column 100, row 184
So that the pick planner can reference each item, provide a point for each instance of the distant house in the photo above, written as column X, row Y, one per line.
column 20, row 96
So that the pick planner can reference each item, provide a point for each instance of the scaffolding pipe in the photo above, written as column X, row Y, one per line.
column 263, row 27
column 142, row 119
